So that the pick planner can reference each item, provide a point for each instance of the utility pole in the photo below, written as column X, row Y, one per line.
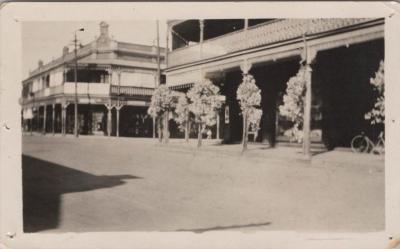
column 307, row 101
column 119, row 106
column 76, row 87
column 76, row 129
column 158, row 55
column 167, row 46
column 33, row 112
column 158, row 81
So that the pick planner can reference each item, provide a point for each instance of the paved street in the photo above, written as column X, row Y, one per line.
column 109, row 184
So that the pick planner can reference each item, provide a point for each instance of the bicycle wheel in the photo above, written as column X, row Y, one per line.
column 359, row 144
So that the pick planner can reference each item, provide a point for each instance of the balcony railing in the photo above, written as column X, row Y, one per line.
column 259, row 35
column 90, row 89
column 87, row 88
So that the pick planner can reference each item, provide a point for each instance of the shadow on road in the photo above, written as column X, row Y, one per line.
column 202, row 230
column 43, row 184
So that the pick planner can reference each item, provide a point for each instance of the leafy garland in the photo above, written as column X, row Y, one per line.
column 182, row 112
column 249, row 97
column 204, row 101
column 254, row 118
column 163, row 100
column 293, row 104
column 377, row 114
column 162, row 104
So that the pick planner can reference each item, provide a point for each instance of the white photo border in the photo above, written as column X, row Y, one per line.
column 13, row 14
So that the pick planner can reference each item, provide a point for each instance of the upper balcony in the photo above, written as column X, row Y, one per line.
column 68, row 88
column 196, row 40
column 88, row 89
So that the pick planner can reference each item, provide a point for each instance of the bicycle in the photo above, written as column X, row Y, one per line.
column 362, row 144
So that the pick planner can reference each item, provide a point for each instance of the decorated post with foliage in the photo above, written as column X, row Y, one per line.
column 182, row 114
column 254, row 118
column 377, row 114
column 249, row 96
column 293, row 104
column 155, row 112
column 204, row 102
column 162, row 103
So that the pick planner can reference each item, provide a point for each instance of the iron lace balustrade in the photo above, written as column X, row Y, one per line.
column 279, row 30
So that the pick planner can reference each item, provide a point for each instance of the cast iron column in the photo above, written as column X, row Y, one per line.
column 201, row 24
column 76, row 88
column 63, row 118
column 307, row 114
column 246, row 24
column 309, row 56
column 109, row 121
column 44, row 119
column 154, row 127
column 218, row 123
column 118, row 107
column 53, row 117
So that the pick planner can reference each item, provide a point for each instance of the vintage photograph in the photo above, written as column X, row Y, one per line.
column 202, row 125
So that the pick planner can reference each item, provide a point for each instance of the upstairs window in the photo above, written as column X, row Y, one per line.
column 47, row 81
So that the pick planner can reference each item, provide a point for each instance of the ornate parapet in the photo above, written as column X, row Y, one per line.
column 280, row 31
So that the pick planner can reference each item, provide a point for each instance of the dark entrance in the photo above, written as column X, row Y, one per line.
column 271, row 78
column 342, row 77
column 232, row 119
column 92, row 119
column 134, row 122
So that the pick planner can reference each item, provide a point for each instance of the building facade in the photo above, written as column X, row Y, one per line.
column 341, row 55
column 115, row 81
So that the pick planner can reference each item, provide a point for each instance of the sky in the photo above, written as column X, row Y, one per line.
column 45, row 40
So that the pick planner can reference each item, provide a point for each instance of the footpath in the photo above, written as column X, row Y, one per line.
column 339, row 157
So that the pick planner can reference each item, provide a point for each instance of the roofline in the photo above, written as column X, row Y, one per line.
column 67, row 63
column 371, row 22
column 63, row 62
column 138, row 44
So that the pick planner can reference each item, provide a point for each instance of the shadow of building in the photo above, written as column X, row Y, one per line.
column 43, row 184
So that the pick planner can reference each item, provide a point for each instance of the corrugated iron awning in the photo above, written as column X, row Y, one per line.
column 182, row 86
column 131, row 91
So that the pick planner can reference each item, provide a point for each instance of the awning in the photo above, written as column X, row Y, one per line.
column 181, row 86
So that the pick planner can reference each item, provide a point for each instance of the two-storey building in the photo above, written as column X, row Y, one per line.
column 115, row 81
column 342, row 55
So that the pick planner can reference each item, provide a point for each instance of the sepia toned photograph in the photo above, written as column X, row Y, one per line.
column 199, row 125
column 203, row 124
